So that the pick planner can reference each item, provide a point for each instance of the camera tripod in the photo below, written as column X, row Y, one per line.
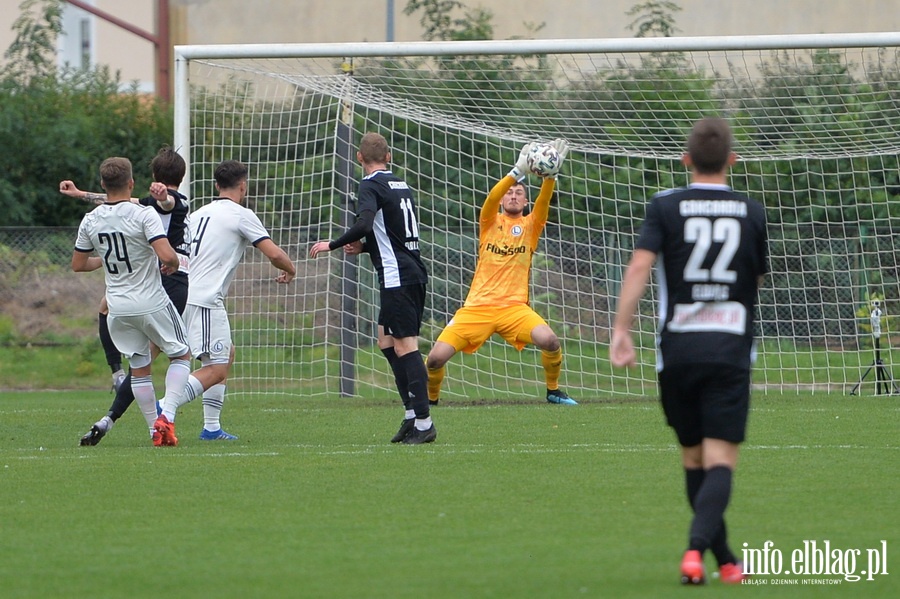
column 884, row 382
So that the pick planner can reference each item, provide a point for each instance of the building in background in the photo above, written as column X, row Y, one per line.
column 91, row 40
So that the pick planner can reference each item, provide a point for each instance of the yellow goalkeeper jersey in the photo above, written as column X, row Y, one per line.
column 505, row 248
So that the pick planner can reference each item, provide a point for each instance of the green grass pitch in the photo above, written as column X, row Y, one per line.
column 512, row 501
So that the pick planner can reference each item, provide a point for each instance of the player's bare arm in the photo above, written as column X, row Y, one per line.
column 319, row 247
column 68, row 188
column 160, row 193
column 84, row 262
column 279, row 259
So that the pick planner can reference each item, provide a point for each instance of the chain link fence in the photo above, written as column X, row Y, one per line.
column 43, row 301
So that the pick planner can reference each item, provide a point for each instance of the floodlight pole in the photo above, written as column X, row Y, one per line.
column 160, row 40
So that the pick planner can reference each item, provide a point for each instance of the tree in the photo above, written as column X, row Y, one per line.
column 439, row 23
column 63, row 123
column 653, row 17
column 32, row 54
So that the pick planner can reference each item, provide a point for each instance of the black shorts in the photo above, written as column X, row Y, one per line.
column 176, row 286
column 401, row 310
column 705, row 401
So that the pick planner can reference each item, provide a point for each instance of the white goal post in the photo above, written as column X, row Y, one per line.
column 817, row 126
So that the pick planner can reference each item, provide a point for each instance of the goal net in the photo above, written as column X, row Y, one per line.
column 816, row 121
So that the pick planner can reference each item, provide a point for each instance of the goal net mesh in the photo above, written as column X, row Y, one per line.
column 817, row 135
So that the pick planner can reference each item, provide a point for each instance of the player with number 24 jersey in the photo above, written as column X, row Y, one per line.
column 133, row 282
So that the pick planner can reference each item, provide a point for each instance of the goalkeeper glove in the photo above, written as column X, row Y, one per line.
column 521, row 168
column 562, row 148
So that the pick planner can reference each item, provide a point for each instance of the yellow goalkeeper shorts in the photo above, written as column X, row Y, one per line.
column 470, row 327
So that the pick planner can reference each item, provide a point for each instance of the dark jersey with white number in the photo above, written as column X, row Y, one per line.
column 176, row 222
column 393, row 243
column 711, row 250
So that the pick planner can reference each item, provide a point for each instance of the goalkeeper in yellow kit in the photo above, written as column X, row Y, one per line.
column 498, row 297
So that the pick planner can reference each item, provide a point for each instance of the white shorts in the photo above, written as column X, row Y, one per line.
column 209, row 334
column 134, row 334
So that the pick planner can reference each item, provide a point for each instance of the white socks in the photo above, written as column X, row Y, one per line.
column 176, row 380
column 213, row 398
column 145, row 396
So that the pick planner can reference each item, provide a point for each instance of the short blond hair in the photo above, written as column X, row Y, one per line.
column 374, row 148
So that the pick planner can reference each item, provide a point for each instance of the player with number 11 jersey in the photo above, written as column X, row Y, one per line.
column 395, row 258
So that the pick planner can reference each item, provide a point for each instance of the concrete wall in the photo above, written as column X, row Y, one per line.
column 264, row 21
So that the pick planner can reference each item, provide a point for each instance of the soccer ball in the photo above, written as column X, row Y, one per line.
column 543, row 160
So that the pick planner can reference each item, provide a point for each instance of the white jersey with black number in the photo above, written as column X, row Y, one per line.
column 220, row 232
column 121, row 234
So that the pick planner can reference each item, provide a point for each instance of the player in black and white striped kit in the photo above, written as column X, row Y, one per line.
column 388, row 222
column 709, row 245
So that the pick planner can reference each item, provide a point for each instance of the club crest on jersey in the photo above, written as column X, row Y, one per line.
column 218, row 347
column 515, row 230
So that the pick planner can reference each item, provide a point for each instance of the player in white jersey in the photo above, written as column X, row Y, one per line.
column 220, row 232
column 130, row 243
column 172, row 207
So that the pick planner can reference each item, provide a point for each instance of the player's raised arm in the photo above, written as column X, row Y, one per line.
column 541, row 208
column 519, row 171
column 68, row 188
column 160, row 193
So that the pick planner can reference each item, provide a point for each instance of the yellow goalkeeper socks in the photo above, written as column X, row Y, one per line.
column 435, row 378
column 552, row 361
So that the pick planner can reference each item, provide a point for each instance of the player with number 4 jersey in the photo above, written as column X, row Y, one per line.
column 220, row 232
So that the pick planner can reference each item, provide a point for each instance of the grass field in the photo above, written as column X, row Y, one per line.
column 512, row 501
